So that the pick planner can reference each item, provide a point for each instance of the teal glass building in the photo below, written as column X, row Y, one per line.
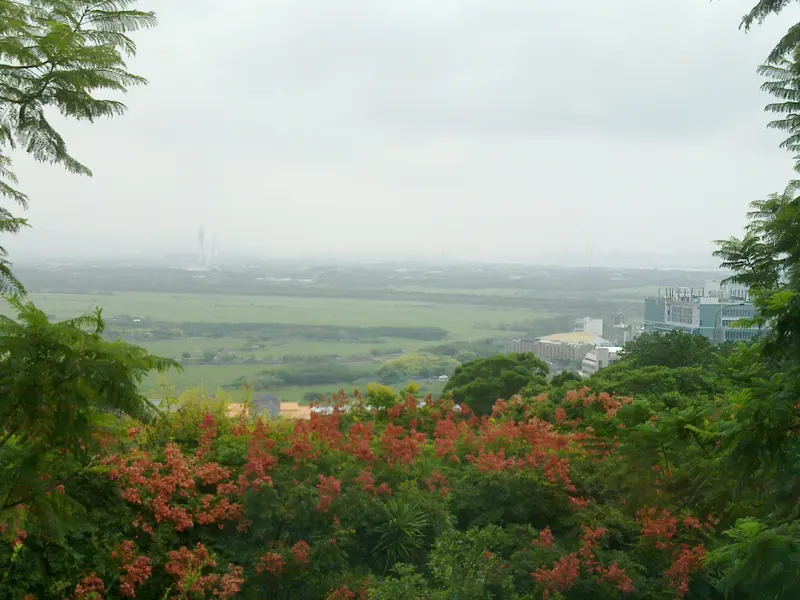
column 712, row 311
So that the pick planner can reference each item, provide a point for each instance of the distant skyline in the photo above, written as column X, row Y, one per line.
column 503, row 131
column 188, row 257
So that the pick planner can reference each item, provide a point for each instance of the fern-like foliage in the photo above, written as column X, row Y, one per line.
column 767, row 259
column 762, row 10
column 784, row 83
column 61, row 385
column 59, row 54
column 759, row 561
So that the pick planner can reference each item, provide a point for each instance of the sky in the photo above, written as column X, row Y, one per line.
column 496, row 130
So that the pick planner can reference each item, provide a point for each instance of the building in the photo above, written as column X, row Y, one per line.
column 589, row 325
column 599, row 358
column 710, row 311
column 620, row 332
column 293, row 410
column 236, row 410
column 560, row 347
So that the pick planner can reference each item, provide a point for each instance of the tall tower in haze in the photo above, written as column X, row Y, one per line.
column 201, row 242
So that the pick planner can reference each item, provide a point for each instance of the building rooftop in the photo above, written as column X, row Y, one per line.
column 575, row 337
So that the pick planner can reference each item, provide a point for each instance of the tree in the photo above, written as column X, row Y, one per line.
column 416, row 364
column 674, row 349
column 784, row 83
column 767, row 259
column 482, row 382
column 61, row 386
column 762, row 10
column 56, row 54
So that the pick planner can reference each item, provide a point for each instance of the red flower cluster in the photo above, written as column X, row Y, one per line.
column 187, row 566
column 301, row 551
column 437, row 481
column 568, row 569
column 170, row 488
column 687, row 561
column 609, row 404
column 445, row 436
column 493, row 461
column 400, row 447
column 561, row 577
column 617, row 577
column 359, row 442
column 660, row 526
column 259, row 459
column 367, row 482
column 230, row 583
column 91, row 587
column 545, row 540
column 272, row 563
column 345, row 593
column 329, row 489
column 135, row 569
column 208, row 431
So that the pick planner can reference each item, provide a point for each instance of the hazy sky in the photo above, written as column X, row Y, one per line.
column 477, row 129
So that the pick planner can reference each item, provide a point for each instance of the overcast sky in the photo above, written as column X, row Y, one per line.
column 475, row 129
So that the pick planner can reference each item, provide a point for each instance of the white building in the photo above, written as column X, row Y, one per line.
column 589, row 325
column 599, row 358
column 561, row 347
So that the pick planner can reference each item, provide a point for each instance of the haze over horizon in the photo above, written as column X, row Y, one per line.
column 504, row 131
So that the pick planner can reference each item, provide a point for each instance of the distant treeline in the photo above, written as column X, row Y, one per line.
column 323, row 374
column 127, row 327
column 563, row 291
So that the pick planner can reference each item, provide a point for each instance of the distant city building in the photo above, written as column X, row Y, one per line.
column 560, row 347
column 599, row 358
column 293, row 410
column 710, row 311
column 588, row 325
column 620, row 332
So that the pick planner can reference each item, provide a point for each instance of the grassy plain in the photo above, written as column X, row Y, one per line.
column 301, row 315
column 462, row 321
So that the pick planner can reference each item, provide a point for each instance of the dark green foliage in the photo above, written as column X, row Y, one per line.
column 768, row 260
column 416, row 365
column 481, row 382
column 565, row 378
column 401, row 535
column 624, row 379
column 319, row 375
column 61, row 384
column 759, row 562
column 265, row 333
column 673, row 350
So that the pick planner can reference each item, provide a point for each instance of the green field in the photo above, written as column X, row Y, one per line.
column 463, row 322
column 212, row 378
column 282, row 327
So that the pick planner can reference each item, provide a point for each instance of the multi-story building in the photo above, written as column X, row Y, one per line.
column 711, row 311
column 619, row 332
column 563, row 348
column 599, row 358
column 588, row 325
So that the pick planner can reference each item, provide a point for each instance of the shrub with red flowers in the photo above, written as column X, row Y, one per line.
column 304, row 504
column 136, row 569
